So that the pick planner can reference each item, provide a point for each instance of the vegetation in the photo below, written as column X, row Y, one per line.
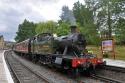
column 84, row 16
column 119, row 51
column 95, row 19
column 49, row 26
column 100, row 17
column 25, row 30
column 62, row 29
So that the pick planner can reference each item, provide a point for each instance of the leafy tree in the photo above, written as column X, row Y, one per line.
column 101, row 15
column 78, row 13
column 85, row 17
column 120, row 30
column 63, row 28
column 25, row 30
column 109, row 13
column 43, row 27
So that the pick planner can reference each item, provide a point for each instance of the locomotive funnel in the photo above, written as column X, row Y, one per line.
column 73, row 29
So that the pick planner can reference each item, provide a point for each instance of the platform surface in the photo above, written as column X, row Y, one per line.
column 112, row 62
column 3, row 77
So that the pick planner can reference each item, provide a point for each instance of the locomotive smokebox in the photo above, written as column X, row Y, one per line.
column 73, row 29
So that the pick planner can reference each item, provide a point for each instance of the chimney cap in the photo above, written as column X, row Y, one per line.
column 73, row 26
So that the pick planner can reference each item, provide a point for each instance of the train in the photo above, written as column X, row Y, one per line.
column 64, row 52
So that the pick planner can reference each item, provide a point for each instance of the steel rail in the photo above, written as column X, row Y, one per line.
column 34, row 72
column 114, row 68
column 16, row 78
column 105, row 79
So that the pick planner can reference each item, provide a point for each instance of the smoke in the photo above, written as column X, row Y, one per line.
column 68, row 16
column 72, row 18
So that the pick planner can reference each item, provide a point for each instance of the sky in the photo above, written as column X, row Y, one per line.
column 13, row 13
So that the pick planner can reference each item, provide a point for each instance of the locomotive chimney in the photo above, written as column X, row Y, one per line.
column 73, row 29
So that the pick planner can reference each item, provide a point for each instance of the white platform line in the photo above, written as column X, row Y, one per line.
column 8, row 75
column 117, row 63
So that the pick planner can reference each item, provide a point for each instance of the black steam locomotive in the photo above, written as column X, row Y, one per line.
column 65, row 52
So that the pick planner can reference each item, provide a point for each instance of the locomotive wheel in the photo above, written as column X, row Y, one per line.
column 73, row 72
column 29, row 57
column 90, row 70
column 34, row 59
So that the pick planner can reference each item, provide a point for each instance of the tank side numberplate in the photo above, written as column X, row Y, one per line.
column 58, row 60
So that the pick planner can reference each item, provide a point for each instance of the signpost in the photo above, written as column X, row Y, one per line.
column 108, row 46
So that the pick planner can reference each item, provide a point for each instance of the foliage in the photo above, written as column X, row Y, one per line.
column 85, row 17
column 94, row 18
column 78, row 13
column 91, row 34
column 120, row 31
column 49, row 27
column 119, row 51
column 109, row 13
column 63, row 29
column 25, row 30
column 103, row 15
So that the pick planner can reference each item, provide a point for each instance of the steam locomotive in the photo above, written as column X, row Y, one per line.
column 65, row 52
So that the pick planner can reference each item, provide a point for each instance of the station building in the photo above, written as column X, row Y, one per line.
column 2, row 42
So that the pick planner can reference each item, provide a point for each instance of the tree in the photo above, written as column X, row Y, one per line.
column 103, row 14
column 109, row 13
column 63, row 28
column 78, row 13
column 120, row 30
column 25, row 30
column 43, row 27
column 85, row 17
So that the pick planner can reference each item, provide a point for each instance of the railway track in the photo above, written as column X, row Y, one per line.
column 114, row 68
column 25, row 74
column 22, row 73
column 112, row 74
column 56, row 75
column 105, row 79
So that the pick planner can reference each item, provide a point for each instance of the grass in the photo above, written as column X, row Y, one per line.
column 119, row 52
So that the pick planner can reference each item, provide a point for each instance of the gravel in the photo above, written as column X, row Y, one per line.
column 24, row 75
column 112, row 74
column 53, row 74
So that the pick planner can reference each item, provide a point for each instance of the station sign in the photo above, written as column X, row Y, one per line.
column 107, row 45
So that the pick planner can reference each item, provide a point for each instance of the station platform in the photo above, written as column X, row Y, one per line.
column 5, row 76
column 117, row 63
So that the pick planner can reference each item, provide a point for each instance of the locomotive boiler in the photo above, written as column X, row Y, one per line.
column 65, row 52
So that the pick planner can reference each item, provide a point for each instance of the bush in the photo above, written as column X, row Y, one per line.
column 105, row 55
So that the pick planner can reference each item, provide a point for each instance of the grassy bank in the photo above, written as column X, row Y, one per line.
column 119, row 51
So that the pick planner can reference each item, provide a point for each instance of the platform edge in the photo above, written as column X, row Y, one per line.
column 8, row 75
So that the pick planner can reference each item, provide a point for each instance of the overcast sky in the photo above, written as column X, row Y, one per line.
column 13, row 12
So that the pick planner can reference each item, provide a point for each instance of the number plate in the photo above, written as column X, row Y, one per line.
column 58, row 60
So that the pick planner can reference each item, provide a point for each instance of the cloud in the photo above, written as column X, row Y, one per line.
column 13, row 12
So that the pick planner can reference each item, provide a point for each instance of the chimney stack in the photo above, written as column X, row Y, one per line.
column 73, row 29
